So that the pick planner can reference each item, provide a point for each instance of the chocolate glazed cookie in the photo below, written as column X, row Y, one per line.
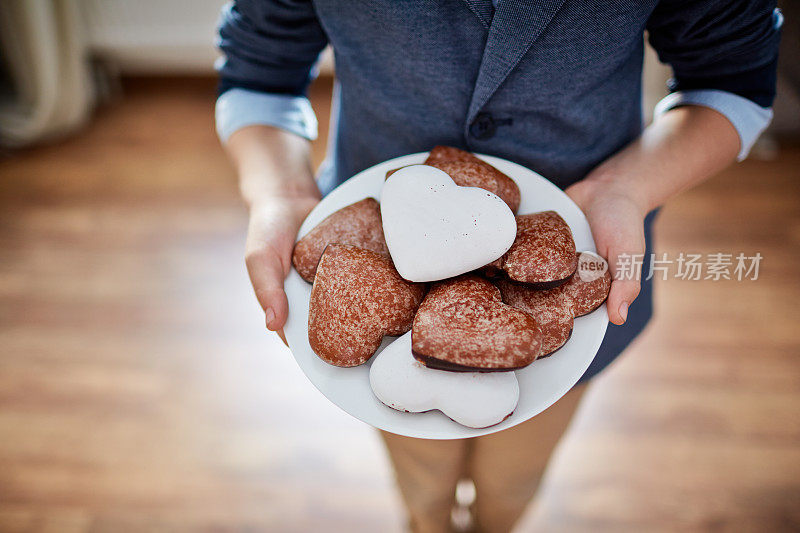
column 357, row 298
column 543, row 253
column 463, row 325
column 552, row 308
column 358, row 224
column 555, row 309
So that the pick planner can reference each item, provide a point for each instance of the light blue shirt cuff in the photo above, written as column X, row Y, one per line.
column 749, row 118
column 238, row 108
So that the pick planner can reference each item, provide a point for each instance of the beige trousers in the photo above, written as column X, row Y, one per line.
column 506, row 468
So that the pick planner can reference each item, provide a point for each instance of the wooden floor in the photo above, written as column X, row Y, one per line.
column 139, row 390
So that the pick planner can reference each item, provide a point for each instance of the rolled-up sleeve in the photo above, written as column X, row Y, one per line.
column 748, row 118
column 724, row 56
column 269, row 51
column 237, row 108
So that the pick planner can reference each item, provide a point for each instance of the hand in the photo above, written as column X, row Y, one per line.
column 274, row 223
column 616, row 218
column 681, row 148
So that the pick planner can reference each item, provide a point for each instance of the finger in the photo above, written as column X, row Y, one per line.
column 626, row 279
column 625, row 253
column 267, row 275
column 623, row 293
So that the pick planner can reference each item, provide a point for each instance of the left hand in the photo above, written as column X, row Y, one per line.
column 616, row 218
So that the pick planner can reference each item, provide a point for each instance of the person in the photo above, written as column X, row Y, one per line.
column 554, row 85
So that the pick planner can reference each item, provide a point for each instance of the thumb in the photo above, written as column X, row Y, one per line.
column 622, row 295
column 625, row 287
column 267, row 274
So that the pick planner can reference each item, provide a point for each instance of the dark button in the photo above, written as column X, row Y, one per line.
column 483, row 127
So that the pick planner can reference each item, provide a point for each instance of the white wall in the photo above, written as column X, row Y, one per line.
column 158, row 37
column 151, row 37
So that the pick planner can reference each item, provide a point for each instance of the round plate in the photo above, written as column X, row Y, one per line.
column 541, row 383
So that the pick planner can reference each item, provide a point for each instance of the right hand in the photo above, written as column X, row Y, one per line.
column 277, row 183
column 274, row 222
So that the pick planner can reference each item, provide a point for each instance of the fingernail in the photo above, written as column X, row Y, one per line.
column 623, row 311
column 270, row 317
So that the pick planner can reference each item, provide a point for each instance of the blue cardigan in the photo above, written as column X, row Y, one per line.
column 554, row 85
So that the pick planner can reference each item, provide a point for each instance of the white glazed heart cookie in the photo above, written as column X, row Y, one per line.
column 473, row 399
column 436, row 229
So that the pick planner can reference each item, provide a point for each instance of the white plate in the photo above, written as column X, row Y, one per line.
column 541, row 384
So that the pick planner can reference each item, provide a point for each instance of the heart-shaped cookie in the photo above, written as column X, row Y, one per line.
column 463, row 325
column 473, row 399
column 357, row 298
column 555, row 309
column 543, row 251
column 590, row 284
column 436, row 229
column 358, row 224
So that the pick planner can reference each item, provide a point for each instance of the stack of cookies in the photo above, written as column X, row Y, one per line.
column 474, row 290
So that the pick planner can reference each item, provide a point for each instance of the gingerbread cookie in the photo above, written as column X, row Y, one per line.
column 436, row 230
column 590, row 284
column 358, row 224
column 543, row 252
column 357, row 298
column 473, row 399
column 553, row 310
column 463, row 325
column 470, row 171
